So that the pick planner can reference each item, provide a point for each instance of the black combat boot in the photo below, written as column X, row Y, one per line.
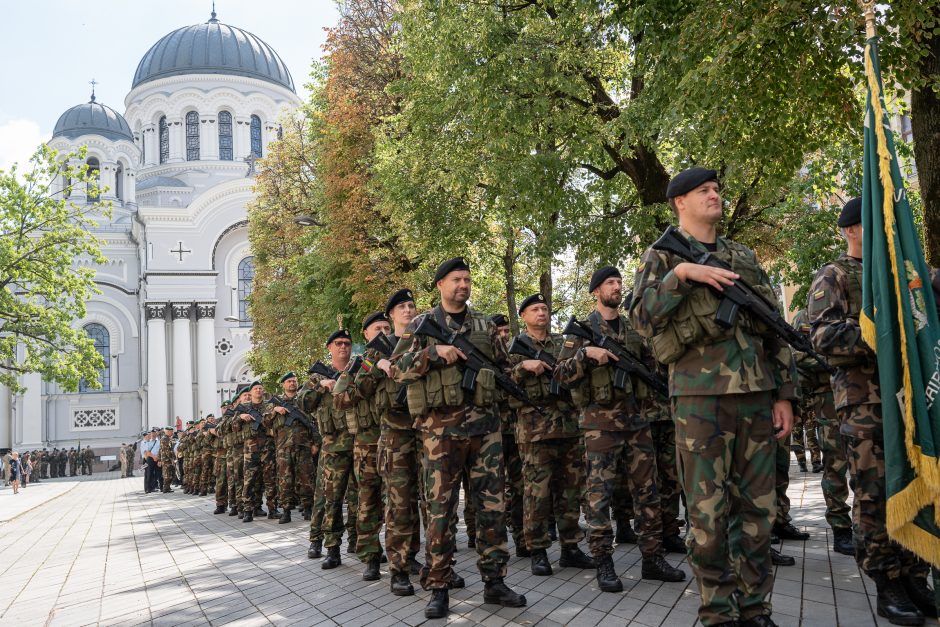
column 842, row 541
column 315, row 551
column 573, row 557
column 456, row 581
column 789, row 532
column 233, row 511
column 779, row 559
column 497, row 592
column 259, row 511
column 521, row 549
column 285, row 517
column 540, row 565
column 401, row 585
column 552, row 530
column 674, row 544
column 203, row 492
column 351, row 547
column 656, row 567
column 371, row 573
column 248, row 517
column 625, row 533
column 273, row 512
column 414, row 566
column 308, row 512
column 438, row 605
column 332, row 558
column 920, row 594
column 802, row 462
column 607, row 579
column 894, row 602
column 817, row 467
column 219, row 509
column 471, row 541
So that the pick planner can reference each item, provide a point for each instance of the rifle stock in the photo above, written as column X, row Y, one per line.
column 523, row 346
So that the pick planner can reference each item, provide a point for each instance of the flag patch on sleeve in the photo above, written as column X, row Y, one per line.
column 569, row 343
column 818, row 294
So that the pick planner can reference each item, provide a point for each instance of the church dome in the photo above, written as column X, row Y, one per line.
column 212, row 48
column 93, row 118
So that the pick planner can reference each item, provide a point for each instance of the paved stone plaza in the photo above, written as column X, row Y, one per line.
column 97, row 550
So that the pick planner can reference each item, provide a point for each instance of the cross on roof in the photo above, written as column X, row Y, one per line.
column 92, row 82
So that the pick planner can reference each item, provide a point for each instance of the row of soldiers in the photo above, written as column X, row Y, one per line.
column 571, row 426
column 61, row 462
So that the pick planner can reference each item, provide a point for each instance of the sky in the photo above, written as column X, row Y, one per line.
column 51, row 49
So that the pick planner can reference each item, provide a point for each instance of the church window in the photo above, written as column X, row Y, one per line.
column 164, row 140
column 119, row 182
column 246, row 276
column 102, row 340
column 94, row 170
column 255, row 136
column 192, row 136
column 226, row 149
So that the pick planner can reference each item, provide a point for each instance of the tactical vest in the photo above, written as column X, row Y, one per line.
column 441, row 387
column 246, row 431
column 851, row 272
column 694, row 322
column 539, row 388
column 330, row 420
column 597, row 388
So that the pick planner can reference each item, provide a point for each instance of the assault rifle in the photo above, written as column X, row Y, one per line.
column 293, row 413
column 384, row 347
column 323, row 370
column 737, row 295
column 246, row 408
column 475, row 361
column 627, row 363
column 522, row 345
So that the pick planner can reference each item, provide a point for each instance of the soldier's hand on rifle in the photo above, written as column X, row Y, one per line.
column 449, row 354
column 535, row 366
column 709, row 275
column 281, row 410
column 599, row 355
column 783, row 419
column 385, row 366
column 313, row 449
column 246, row 417
column 328, row 384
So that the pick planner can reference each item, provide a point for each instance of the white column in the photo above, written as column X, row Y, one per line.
column 242, row 137
column 31, row 410
column 157, row 413
column 182, row 362
column 108, row 178
column 177, row 139
column 205, row 358
column 209, row 138
column 6, row 418
column 151, row 139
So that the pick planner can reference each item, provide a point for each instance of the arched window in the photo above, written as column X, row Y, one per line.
column 256, row 136
column 226, row 150
column 94, row 172
column 246, row 275
column 119, row 181
column 192, row 136
column 102, row 340
column 164, row 140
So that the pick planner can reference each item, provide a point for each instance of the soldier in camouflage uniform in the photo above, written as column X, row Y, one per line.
column 613, row 428
column 73, row 464
column 63, row 461
column 551, row 447
column 805, row 437
column 399, row 456
column 835, row 301
column 254, row 439
column 461, row 433
column 817, row 394
column 207, row 453
column 336, row 478
column 269, row 474
column 54, row 464
column 221, row 458
column 167, row 458
column 234, row 455
column 297, row 441
column 89, row 456
column 192, row 462
column 731, row 391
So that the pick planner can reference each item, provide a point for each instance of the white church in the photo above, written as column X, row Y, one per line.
column 171, row 320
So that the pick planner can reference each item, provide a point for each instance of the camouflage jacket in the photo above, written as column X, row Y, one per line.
column 384, row 389
column 416, row 359
column 814, row 379
column 354, row 396
column 561, row 416
column 736, row 361
column 317, row 401
column 166, row 449
column 608, row 409
column 835, row 302
column 295, row 434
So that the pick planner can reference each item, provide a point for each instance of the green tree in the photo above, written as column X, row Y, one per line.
column 42, row 235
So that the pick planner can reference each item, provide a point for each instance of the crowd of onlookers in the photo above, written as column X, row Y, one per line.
column 17, row 470
column 20, row 469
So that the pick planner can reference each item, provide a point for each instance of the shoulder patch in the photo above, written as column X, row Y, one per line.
column 366, row 365
column 405, row 336
column 819, row 294
column 641, row 267
column 569, row 343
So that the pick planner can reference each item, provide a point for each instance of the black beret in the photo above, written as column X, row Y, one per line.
column 687, row 180
column 153, row 430
column 286, row 376
column 168, row 428
column 254, row 384
column 336, row 335
column 499, row 320
column 451, row 265
column 401, row 296
column 210, row 416
column 602, row 274
column 851, row 213
column 240, row 391
column 378, row 316
column 531, row 300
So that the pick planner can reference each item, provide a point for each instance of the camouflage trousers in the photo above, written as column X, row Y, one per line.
column 195, row 470
column 319, row 503
column 445, row 460
column 804, row 428
column 554, row 482
column 167, row 469
column 400, row 467
column 221, row 478
column 874, row 551
column 835, row 487
column 515, row 487
column 371, row 510
column 782, row 480
column 469, row 514
column 667, row 474
column 725, row 448
column 207, row 480
column 269, row 473
column 235, row 471
column 295, row 475
column 339, row 483
column 603, row 450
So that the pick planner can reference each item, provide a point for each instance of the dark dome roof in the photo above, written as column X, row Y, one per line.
column 93, row 118
column 212, row 48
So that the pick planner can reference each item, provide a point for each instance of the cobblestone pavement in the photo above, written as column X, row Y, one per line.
column 103, row 552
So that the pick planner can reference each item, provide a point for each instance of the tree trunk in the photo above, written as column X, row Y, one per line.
column 925, row 125
column 545, row 287
column 509, row 262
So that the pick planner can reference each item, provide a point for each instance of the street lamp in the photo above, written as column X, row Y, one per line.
column 234, row 319
column 304, row 220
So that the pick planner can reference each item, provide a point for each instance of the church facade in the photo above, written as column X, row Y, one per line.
column 171, row 318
